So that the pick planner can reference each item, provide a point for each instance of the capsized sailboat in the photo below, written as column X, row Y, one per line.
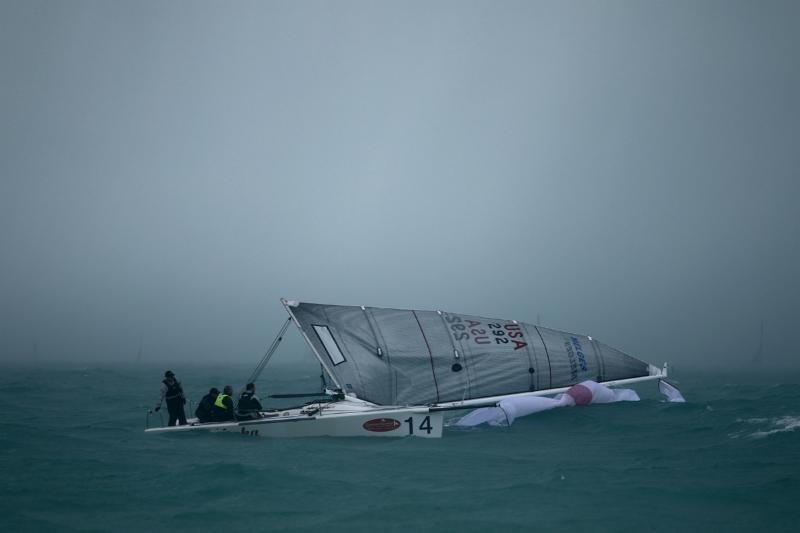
column 396, row 371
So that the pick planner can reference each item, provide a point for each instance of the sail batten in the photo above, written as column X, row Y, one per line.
column 429, row 357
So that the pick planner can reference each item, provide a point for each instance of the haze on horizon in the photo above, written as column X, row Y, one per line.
column 169, row 170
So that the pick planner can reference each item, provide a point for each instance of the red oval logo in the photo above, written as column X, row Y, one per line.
column 381, row 425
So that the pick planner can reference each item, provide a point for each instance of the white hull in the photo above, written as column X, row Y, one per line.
column 347, row 418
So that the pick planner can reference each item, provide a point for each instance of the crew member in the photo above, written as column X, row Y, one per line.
column 172, row 391
column 203, row 412
column 249, row 404
column 223, row 406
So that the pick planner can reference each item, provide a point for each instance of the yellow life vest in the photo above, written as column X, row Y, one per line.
column 220, row 398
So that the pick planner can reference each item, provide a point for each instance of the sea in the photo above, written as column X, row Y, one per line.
column 74, row 457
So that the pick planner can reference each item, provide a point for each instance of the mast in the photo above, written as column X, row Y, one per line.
column 758, row 355
column 655, row 373
column 139, row 352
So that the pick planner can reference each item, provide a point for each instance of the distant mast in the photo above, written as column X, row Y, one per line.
column 139, row 352
column 757, row 358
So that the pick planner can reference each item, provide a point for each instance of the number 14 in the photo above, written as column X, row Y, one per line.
column 424, row 426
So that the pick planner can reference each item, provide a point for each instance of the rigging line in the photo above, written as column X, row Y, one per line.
column 448, row 335
column 547, row 353
column 447, row 332
column 433, row 372
column 531, row 349
column 296, row 395
column 508, row 422
column 378, row 350
column 531, row 364
column 377, row 332
column 270, row 351
column 600, row 361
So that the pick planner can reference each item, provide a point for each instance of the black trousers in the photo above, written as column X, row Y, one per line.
column 176, row 414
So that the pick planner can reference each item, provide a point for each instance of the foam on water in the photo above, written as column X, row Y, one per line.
column 771, row 426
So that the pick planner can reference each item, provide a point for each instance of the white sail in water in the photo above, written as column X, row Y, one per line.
column 407, row 357
column 509, row 409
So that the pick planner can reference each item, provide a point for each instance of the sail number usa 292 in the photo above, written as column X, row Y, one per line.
column 471, row 330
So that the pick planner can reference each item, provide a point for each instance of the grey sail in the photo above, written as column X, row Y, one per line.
column 407, row 357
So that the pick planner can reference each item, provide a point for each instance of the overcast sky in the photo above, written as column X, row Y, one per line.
column 169, row 170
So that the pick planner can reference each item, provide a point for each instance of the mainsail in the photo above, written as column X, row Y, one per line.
column 410, row 357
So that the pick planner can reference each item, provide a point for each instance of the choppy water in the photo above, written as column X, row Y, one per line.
column 73, row 457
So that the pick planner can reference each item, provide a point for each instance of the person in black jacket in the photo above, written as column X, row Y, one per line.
column 172, row 392
column 249, row 404
column 223, row 406
column 203, row 411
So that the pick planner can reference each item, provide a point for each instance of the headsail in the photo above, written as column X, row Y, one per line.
column 405, row 357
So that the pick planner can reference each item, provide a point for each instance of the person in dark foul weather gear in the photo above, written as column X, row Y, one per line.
column 172, row 392
column 223, row 406
column 249, row 404
column 203, row 411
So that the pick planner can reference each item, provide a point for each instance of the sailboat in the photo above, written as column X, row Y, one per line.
column 395, row 372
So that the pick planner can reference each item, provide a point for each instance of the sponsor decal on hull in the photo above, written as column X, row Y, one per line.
column 381, row 425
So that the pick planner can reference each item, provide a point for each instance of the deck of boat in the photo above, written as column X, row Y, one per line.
column 346, row 418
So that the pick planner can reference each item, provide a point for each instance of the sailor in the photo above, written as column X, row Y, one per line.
column 223, row 406
column 172, row 391
column 203, row 412
column 249, row 404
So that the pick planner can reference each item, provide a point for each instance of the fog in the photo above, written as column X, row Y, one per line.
column 169, row 170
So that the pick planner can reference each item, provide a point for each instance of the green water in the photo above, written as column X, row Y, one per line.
column 73, row 457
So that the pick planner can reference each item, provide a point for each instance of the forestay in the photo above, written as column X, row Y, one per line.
column 408, row 357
